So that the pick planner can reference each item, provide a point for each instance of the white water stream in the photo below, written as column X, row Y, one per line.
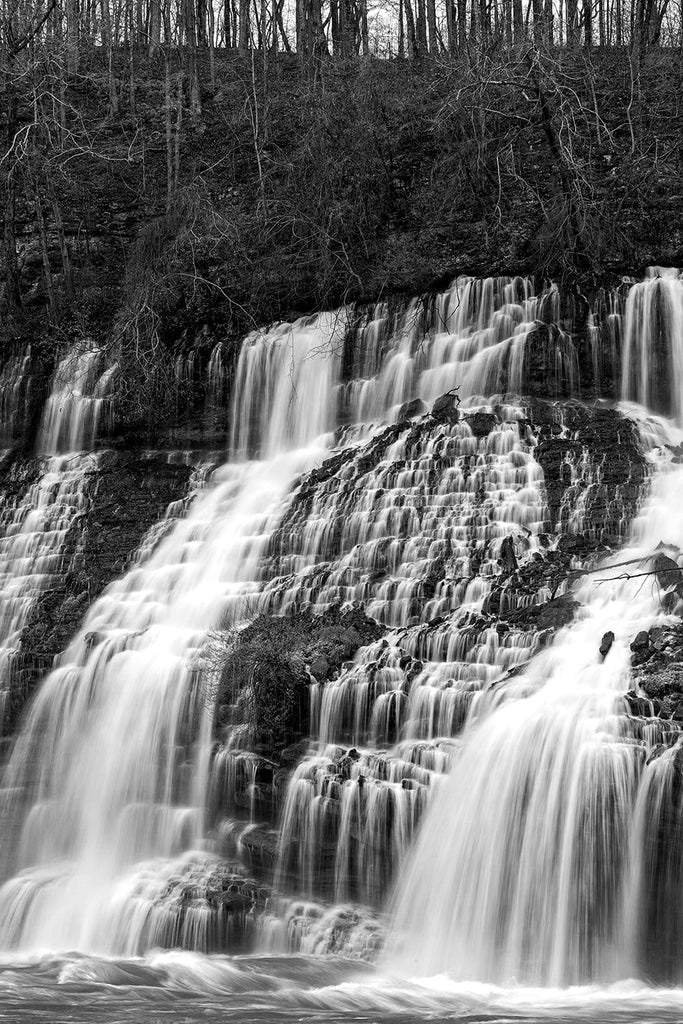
column 109, row 774
column 538, row 838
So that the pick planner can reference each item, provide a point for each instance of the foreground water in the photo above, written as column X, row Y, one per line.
column 181, row 988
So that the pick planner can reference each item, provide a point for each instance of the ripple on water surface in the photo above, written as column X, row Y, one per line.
column 184, row 988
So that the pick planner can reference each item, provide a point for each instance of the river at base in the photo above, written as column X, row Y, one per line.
column 184, row 988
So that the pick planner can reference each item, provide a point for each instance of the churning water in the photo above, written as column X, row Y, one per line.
column 521, row 818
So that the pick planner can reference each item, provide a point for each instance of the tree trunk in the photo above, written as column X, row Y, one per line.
column 178, row 127
column 279, row 4
column 154, row 26
column 169, row 130
column 518, row 20
column 410, row 27
column 572, row 25
column 113, row 86
column 450, row 26
column 131, row 61
column 345, row 28
column 72, row 35
column 142, row 24
column 201, row 20
column 364, row 38
column 44, row 251
column 211, row 39
column 507, row 17
column 431, row 22
column 588, row 22
column 12, row 276
column 421, row 26
column 334, row 26
column 475, row 22
column 318, row 40
column 549, row 20
column 537, row 8
column 243, row 29
column 191, row 34
column 227, row 38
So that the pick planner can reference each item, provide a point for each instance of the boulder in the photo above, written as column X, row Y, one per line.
column 508, row 558
column 445, row 408
column 641, row 642
column 411, row 410
column 319, row 667
column 606, row 643
column 481, row 423
column 667, row 571
column 553, row 614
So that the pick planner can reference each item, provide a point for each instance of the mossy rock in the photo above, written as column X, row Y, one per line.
column 267, row 668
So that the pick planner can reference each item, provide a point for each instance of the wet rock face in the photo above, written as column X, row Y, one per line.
column 266, row 671
column 591, row 456
column 606, row 643
column 668, row 573
column 657, row 661
column 551, row 363
column 550, row 615
column 446, row 408
column 213, row 902
column 481, row 423
column 411, row 410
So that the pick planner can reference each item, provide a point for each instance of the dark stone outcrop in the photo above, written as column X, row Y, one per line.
column 260, row 845
column 567, row 433
column 411, row 410
column 445, row 409
column 481, row 423
column 553, row 614
column 657, row 662
column 668, row 572
column 551, row 362
column 276, row 658
column 606, row 643
column 641, row 641
column 224, row 894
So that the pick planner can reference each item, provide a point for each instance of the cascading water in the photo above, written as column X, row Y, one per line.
column 77, row 405
column 541, row 794
column 110, row 772
column 33, row 550
column 652, row 362
column 35, row 532
column 544, row 839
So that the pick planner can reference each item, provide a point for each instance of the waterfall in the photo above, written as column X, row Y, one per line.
column 38, row 534
column 77, row 403
column 107, row 782
column 652, row 362
column 34, row 551
column 386, row 459
column 550, row 854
